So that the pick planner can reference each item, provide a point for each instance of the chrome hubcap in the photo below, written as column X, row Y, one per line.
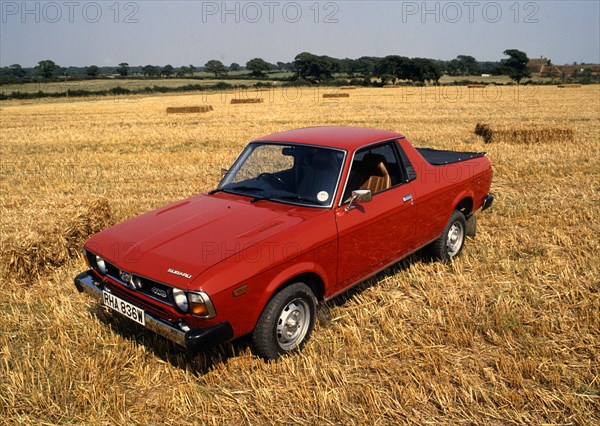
column 455, row 239
column 292, row 324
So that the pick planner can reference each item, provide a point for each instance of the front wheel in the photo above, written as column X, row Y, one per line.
column 452, row 240
column 286, row 323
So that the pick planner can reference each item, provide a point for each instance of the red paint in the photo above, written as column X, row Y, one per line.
column 224, row 241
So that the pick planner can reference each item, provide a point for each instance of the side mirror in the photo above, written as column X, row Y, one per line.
column 359, row 196
column 224, row 172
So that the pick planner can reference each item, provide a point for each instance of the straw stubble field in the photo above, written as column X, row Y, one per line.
column 507, row 334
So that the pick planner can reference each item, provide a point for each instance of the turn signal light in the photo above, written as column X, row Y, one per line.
column 200, row 305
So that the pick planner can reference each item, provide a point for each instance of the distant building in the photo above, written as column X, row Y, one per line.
column 543, row 67
column 593, row 70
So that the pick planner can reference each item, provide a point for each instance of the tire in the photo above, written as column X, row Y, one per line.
column 451, row 242
column 286, row 323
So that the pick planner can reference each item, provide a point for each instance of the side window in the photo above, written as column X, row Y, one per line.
column 376, row 168
column 408, row 168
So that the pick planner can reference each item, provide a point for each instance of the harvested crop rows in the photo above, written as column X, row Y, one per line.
column 507, row 334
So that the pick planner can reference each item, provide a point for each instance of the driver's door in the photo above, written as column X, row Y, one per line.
column 374, row 234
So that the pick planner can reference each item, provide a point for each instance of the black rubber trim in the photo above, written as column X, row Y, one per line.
column 198, row 339
column 487, row 202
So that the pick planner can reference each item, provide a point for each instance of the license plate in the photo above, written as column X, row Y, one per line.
column 124, row 308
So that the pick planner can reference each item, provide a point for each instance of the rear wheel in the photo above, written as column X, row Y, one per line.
column 452, row 240
column 286, row 323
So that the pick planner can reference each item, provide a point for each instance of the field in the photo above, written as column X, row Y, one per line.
column 509, row 333
column 108, row 84
column 139, row 83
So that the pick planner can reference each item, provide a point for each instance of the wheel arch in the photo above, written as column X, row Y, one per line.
column 308, row 276
column 312, row 280
column 272, row 335
column 464, row 204
column 305, row 272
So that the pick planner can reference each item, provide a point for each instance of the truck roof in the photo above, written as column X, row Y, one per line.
column 342, row 137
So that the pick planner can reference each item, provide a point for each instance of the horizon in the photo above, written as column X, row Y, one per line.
column 243, row 65
column 180, row 33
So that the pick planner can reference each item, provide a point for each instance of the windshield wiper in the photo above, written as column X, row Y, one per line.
column 297, row 198
column 242, row 188
column 283, row 197
column 235, row 188
column 248, row 188
column 262, row 198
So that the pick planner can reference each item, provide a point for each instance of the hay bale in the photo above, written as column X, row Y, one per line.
column 483, row 130
column 569, row 86
column 29, row 251
column 336, row 95
column 189, row 109
column 247, row 100
column 347, row 87
column 523, row 134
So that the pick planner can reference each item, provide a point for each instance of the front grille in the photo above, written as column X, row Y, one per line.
column 112, row 271
column 157, row 291
column 147, row 286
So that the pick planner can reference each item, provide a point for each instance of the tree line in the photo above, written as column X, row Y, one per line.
column 306, row 67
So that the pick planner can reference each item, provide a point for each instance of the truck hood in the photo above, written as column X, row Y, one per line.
column 176, row 243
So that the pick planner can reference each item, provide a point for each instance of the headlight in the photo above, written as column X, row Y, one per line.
column 180, row 299
column 101, row 265
column 201, row 305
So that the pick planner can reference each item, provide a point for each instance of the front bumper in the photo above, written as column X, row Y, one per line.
column 194, row 339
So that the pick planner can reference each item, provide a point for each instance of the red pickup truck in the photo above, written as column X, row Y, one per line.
column 300, row 217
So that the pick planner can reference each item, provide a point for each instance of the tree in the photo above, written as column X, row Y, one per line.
column 421, row 70
column 463, row 65
column 17, row 70
column 395, row 66
column 47, row 68
column 314, row 68
column 215, row 67
column 516, row 65
column 344, row 66
column 493, row 68
column 364, row 66
column 183, row 71
column 92, row 71
column 150, row 71
column 123, row 69
column 285, row 66
column 468, row 65
column 234, row 66
column 168, row 70
column 192, row 70
column 258, row 66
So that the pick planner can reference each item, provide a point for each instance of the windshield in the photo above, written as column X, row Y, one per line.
column 296, row 174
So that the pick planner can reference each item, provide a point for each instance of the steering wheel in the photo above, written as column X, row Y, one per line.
column 273, row 179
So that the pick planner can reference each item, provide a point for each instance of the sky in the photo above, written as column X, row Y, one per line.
column 106, row 33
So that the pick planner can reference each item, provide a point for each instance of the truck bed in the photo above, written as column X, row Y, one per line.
column 439, row 157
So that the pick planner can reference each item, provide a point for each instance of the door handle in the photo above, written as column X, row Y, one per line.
column 407, row 198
